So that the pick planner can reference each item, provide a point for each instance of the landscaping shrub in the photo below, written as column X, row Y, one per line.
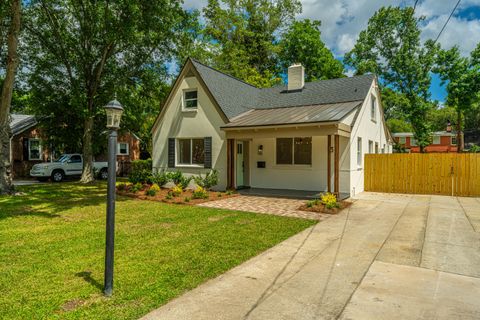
column 177, row 190
column 312, row 203
column 151, row 192
column 200, row 193
column 178, row 178
column 137, row 187
column 169, row 196
column 229, row 192
column 159, row 178
column 330, row 201
column 155, row 187
column 210, row 180
column 187, row 199
column 141, row 171
column 121, row 186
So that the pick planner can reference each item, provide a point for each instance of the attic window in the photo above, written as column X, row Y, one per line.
column 190, row 99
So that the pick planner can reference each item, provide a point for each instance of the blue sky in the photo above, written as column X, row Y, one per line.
column 342, row 20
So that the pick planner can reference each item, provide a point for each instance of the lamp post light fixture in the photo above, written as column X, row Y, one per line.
column 114, row 112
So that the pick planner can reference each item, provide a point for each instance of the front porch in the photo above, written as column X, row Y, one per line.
column 298, row 162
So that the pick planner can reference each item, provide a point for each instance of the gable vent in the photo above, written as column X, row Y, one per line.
column 296, row 77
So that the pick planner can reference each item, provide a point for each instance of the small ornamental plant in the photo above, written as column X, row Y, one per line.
column 229, row 192
column 169, row 196
column 177, row 190
column 187, row 199
column 137, row 187
column 121, row 186
column 151, row 192
column 200, row 193
column 312, row 203
column 330, row 201
column 155, row 187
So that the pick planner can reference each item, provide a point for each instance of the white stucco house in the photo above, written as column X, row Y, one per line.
column 301, row 136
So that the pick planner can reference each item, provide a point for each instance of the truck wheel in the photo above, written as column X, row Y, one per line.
column 104, row 174
column 57, row 176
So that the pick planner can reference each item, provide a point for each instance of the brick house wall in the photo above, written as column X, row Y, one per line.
column 445, row 145
column 20, row 154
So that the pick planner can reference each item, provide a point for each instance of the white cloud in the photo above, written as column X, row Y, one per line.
column 342, row 20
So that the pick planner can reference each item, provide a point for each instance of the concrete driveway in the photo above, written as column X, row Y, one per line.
column 388, row 257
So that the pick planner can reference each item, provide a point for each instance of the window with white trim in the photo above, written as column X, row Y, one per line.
column 191, row 152
column 402, row 140
column 376, row 147
column 373, row 108
column 122, row 149
column 190, row 99
column 296, row 151
column 34, row 149
column 413, row 142
column 436, row 140
column 370, row 146
column 359, row 151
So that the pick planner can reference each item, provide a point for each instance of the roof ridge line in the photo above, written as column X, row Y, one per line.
column 225, row 74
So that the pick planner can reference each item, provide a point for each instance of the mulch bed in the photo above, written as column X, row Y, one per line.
column 162, row 194
column 322, row 209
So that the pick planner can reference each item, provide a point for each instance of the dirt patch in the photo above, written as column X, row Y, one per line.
column 72, row 304
column 218, row 218
column 321, row 208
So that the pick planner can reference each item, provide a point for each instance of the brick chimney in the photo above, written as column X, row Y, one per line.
column 296, row 77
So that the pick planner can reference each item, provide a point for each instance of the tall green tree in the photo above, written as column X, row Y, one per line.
column 243, row 34
column 302, row 44
column 390, row 47
column 462, row 78
column 10, row 14
column 81, row 52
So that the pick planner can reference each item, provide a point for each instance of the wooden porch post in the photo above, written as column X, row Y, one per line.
column 230, row 164
column 336, row 182
column 329, row 164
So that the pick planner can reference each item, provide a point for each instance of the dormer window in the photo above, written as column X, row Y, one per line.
column 190, row 99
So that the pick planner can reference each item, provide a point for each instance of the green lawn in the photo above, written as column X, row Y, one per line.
column 52, row 251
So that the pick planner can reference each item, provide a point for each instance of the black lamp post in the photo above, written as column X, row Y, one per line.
column 114, row 112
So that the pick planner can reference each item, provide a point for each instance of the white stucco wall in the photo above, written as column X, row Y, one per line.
column 204, row 122
column 367, row 129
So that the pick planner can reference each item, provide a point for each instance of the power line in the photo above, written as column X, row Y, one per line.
column 446, row 22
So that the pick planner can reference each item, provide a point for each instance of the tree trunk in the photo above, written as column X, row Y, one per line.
column 459, row 132
column 87, row 174
column 6, row 98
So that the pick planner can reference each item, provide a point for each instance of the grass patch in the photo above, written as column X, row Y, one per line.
column 52, row 242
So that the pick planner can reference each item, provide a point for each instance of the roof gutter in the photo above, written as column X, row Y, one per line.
column 340, row 125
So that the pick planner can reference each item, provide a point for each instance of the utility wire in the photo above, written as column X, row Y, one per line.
column 446, row 22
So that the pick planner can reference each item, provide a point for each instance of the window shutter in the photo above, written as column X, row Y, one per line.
column 208, row 152
column 171, row 152
column 25, row 149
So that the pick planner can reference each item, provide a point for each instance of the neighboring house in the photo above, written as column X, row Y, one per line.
column 442, row 141
column 27, row 147
column 304, row 136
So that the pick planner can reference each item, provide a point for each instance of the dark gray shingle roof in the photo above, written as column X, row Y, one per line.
column 292, row 115
column 21, row 122
column 236, row 97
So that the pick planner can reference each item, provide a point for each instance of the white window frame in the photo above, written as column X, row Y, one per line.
column 184, row 100
column 377, row 147
column 402, row 140
column 359, row 152
column 413, row 142
column 436, row 142
column 293, row 153
column 177, row 154
column 451, row 140
column 118, row 149
column 373, row 108
column 39, row 149
column 370, row 146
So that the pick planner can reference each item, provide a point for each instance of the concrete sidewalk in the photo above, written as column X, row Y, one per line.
column 320, row 274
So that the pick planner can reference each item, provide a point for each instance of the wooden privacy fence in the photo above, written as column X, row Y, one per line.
column 456, row 174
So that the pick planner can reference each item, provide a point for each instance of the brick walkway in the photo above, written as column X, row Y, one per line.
column 268, row 205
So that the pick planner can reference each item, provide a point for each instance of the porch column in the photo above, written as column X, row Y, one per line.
column 336, row 182
column 329, row 164
column 230, row 163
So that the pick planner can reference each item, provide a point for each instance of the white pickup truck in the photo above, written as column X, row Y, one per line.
column 66, row 165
